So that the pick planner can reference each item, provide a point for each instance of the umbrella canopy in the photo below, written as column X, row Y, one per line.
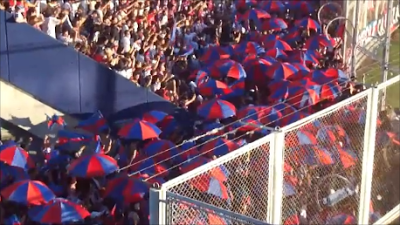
column 301, row 56
column 15, row 173
column 126, row 189
column 333, row 135
column 95, row 165
column 300, row 96
column 256, row 68
column 342, row 219
column 139, row 130
column 277, row 54
column 214, row 53
column 150, row 166
column 333, row 74
column 16, row 156
column 218, row 147
column 58, row 211
column 256, row 15
column 95, row 123
column 227, row 68
column 28, row 192
column 248, row 48
column 317, row 41
column 243, row 4
column 311, row 155
column 216, row 109
column 273, row 6
column 207, row 183
column 281, row 71
column 302, row 6
column 308, row 23
column 213, row 87
column 279, row 44
column 275, row 24
column 193, row 163
column 154, row 116
column 346, row 157
column 162, row 150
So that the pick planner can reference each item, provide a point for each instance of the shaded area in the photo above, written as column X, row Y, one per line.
column 64, row 79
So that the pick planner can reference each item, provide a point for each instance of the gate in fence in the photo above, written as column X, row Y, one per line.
column 283, row 174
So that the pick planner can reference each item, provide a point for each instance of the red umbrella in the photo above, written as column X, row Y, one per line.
column 213, row 87
column 16, row 156
column 279, row 44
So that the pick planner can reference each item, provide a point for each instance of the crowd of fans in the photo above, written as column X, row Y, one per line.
column 158, row 44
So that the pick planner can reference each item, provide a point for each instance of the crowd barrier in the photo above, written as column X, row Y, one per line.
column 265, row 184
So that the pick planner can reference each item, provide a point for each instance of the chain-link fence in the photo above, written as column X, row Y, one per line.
column 323, row 161
column 238, row 182
column 385, row 193
column 182, row 210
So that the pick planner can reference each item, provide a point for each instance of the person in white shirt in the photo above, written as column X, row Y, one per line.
column 50, row 23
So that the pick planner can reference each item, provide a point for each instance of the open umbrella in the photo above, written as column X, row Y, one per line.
column 301, row 6
column 289, row 114
column 334, row 74
column 150, row 166
column 95, row 123
column 58, row 211
column 214, row 53
column 216, row 109
column 16, row 156
column 308, row 23
column 279, row 44
column 277, row 54
column 300, row 96
column 193, row 163
column 317, row 41
column 273, row 6
column 256, row 15
column 311, row 155
column 94, row 165
column 207, row 183
column 125, row 189
column 154, row 116
column 332, row 135
column 226, row 68
column 281, row 71
column 341, row 219
column 213, row 87
column 218, row 147
column 248, row 48
column 161, row 150
column 274, row 24
column 15, row 173
column 256, row 68
column 28, row 192
column 139, row 130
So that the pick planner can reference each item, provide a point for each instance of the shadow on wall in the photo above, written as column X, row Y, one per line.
column 64, row 79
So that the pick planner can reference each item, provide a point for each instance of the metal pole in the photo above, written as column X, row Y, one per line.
column 386, row 53
column 354, row 41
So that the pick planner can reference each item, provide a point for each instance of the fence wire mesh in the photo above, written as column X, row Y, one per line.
column 323, row 168
column 385, row 191
column 245, row 190
column 183, row 212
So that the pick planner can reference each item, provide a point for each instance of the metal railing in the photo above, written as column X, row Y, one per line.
column 259, row 174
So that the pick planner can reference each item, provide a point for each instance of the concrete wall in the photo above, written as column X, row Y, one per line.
column 64, row 79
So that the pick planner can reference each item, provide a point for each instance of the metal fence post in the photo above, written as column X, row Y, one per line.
column 386, row 53
column 368, row 155
column 278, row 148
column 354, row 40
column 158, row 206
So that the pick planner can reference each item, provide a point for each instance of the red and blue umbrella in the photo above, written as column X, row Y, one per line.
column 216, row 109
column 55, row 120
column 312, row 155
column 341, row 219
column 346, row 157
column 277, row 54
column 264, row 39
column 302, row 71
column 227, row 68
column 277, row 44
column 139, row 130
column 249, row 125
column 218, row 147
column 317, row 41
column 16, row 156
column 303, row 137
column 94, row 123
column 330, row 135
column 255, row 15
column 300, row 96
column 335, row 74
column 293, row 35
column 289, row 114
column 206, row 183
column 161, row 150
column 274, row 24
column 154, row 116
column 58, row 211
column 243, row 4
column 329, row 90
column 256, row 68
column 13, row 172
column 28, row 192
column 301, row 6
column 247, row 48
column 149, row 165
column 273, row 6
column 281, row 71
column 213, row 87
column 95, row 165
column 308, row 23
column 252, row 112
column 193, row 163
column 214, row 53
column 306, row 57
column 198, row 76
column 125, row 189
